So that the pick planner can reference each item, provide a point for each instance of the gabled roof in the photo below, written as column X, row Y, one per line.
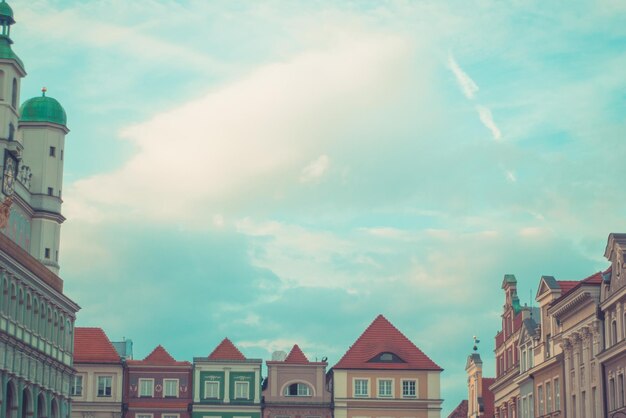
column 566, row 285
column 296, row 356
column 226, row 350
column 595, row 279
column 460, row 411
column 382, row 337
column 91, row 345
column 613, row 240
column 159, row 357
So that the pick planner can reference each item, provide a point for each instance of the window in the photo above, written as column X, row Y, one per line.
column 170, row 416
column 104, row 385
column 557, row 395
column 386, row 357
column 211, row 390
column 582, row 376
column 53, row 151
column 620, row 389
column 170, row 388
column 594, row 402
column 146, row 388
column 583, row 403
column 408, row 389
column 531, row 358
column 46, row 253
column 242, row 390
column 574, row 406
column 540, row 398
column 531, row 406
column 384, row 388
column 612, row 403
column 50, row 191
column 11, row 132
column 523, row 360
column 297, row 389
column 548, row 397
column 613, row 332
column 548, row 345
column 360, row 387
column 14, row 94
column 77, row 386
column 143, row 415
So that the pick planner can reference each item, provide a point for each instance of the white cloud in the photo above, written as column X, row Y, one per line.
column 486, row 117
column 315, row 169
column 510, row 176
column 241, row 138
column 467, row 85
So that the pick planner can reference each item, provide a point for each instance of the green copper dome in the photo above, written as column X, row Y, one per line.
column 6, row 11
column 43, row 109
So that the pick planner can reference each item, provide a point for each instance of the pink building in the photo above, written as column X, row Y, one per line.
column 296, row 388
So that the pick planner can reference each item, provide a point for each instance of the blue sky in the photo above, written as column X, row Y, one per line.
column 282, row 172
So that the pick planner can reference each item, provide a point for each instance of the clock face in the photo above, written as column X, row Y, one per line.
column 8, row 181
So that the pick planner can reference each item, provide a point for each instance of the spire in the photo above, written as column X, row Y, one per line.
column 43, row 90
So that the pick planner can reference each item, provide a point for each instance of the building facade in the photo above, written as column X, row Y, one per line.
column 613, row 307
column 479, row 398
column 226, row 384
column 296, row 388
column 157, row 386
column 384, row 374
column 579, row 333
column 97, row 388
column 36, row 318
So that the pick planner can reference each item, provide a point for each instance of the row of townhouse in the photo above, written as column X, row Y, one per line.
column 564, row 358
column 383, row 374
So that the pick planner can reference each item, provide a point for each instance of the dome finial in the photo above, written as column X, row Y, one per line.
column 43, row 91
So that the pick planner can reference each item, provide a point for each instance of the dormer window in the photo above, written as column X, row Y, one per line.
column 386, row 358
column 297, row 389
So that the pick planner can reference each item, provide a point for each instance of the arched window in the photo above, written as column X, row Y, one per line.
column 42, row 320
column 20, row 306
column 35, row 321
column 14, row 94
column 13, row 301
column 55, row 328
column 29, row 310
column 48, row 334
column 61, row 334
column 297, row 389
column 613, row 332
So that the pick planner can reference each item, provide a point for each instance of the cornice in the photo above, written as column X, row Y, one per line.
column 569, row 304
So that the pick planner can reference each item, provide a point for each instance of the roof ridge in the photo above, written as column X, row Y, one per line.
column 296, row 356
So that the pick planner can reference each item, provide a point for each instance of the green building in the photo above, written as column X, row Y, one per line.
column 226, row 384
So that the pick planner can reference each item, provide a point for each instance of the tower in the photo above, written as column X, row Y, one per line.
column 42, row 127
column 11, row 72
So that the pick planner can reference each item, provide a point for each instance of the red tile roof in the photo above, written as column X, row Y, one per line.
column 382, row 337
column 460, row 411
column 91, row 345
column 226, row 350
column 159, row 357
column 566, row 285
column 594, row 279
column 296, row 356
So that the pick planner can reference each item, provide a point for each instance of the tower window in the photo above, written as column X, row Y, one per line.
column 50, row 191
column 11, row 131
column 47, row 253
column 61, row 155
column 14, row 94
column 53, row 151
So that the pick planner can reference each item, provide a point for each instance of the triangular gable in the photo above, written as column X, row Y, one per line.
column 158, row 357
column 473, row 358
column 546, row 284
column 226, row 350
column 379, row 338
column 296, row 356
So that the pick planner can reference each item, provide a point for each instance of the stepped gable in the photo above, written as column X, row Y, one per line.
column 91, row 345
column 296, row 356
column 226, row 350
column 382, row 337
column 159, row 357
column 460, row 411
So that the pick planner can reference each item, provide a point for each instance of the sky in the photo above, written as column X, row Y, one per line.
column 281, row 172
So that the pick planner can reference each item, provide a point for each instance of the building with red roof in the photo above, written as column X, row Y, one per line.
column 157, row 386
column 295, row 387
column 97, row 388
column 384, row 374
column 226, row 384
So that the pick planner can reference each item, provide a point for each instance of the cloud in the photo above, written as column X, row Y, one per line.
column 486, row 117
column 315, row 169
column 244, row 136
column 510, row 176
column 467, row 85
